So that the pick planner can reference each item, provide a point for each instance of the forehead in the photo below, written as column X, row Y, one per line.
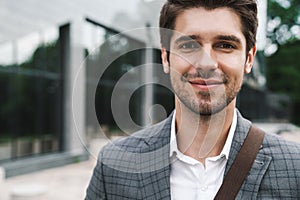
column 203, row 22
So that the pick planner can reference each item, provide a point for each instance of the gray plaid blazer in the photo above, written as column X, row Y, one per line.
column 138, row 167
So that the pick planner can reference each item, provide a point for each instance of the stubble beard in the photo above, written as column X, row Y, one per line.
column 205, row 103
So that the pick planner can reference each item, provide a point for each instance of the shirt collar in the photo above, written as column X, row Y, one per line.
column 226, row 149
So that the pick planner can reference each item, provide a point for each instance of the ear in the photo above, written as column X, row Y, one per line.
column 165, row 62
column 250, row 60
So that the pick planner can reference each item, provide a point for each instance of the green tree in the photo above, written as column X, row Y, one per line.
column 283, row 49
column 283, row 21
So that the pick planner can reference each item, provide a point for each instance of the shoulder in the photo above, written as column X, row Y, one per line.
column 280, row 164
column 135, row 142
column 274, row 144
column 133, row 152
column 285, row 155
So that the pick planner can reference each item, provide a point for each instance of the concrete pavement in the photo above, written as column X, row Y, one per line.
column 62, row 183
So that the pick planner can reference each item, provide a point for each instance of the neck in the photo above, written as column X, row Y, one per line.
column 202, row 136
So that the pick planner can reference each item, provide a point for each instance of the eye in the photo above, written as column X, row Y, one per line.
column 189, row 46
column 226, row 46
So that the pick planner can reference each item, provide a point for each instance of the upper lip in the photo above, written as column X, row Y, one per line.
column 206, row 81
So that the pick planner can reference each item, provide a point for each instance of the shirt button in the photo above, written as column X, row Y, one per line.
column 204, row 188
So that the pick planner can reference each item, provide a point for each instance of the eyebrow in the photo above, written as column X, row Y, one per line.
column 229, row 38
column 219, row 37
column 186, row 38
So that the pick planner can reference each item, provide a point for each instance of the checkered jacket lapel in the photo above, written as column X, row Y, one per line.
column 155, row 163
column 142, row 162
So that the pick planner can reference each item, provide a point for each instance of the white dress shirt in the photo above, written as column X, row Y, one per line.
column 190, row 180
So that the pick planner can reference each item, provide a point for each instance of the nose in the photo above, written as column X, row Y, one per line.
column 205, row 60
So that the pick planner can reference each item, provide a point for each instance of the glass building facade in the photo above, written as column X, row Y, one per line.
column 31, row 87
column 114, row 56
column 56, row 82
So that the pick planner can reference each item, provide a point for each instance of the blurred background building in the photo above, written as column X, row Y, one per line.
column 53, row 55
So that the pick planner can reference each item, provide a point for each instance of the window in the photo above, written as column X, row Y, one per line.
column 110, row 56
column 31, row 99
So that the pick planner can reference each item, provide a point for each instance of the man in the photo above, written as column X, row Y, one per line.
column 210, row 48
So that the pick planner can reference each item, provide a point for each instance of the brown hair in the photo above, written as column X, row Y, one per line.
column 245, row 9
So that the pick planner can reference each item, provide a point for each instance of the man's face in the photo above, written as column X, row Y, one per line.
column 208, row 59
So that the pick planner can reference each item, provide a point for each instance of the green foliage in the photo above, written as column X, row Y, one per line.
column 283, row 67
column 288, row 15
column 283, row 74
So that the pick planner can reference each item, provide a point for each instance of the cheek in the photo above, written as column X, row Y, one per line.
column 179, row 64
column 232, row 65
column 235, row 74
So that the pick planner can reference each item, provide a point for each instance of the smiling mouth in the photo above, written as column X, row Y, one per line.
column 205, row 84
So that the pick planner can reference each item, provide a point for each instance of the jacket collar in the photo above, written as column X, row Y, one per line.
column 159, row 135
column 155, row 162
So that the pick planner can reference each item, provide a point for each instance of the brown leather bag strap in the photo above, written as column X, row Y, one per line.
column 241, row 165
